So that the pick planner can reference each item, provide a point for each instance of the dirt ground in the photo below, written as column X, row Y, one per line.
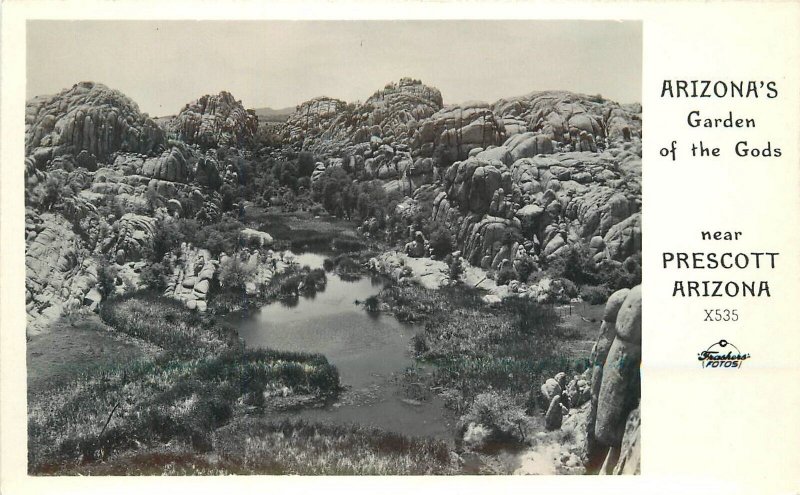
column 71, row 346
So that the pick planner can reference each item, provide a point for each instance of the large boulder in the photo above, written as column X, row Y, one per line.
column 249, row 236
column 135, row 235
column 170, row 166
column 620, row 388
column 59, row 270
column 459, row 129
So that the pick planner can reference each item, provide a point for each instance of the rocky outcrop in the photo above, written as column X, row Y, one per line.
column 193, row 272
column 316, row 121
column 616, row 388
column 134, row 237
column 578, row 121
column 214, row 120
column 60, row 272
column 88, row 117
column 456, row 130
column 390, row 116
column 396, row 110
column 171, row 165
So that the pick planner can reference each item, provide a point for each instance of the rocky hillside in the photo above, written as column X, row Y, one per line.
column 100, row 176
column 214, row 120
column 88, row 117
column 520, row 179
column 519, row 184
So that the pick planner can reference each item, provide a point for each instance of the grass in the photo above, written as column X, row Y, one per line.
column 166, row 323
column 201, row 381
column 475, row 348
column 297, row 447
column 260, row 446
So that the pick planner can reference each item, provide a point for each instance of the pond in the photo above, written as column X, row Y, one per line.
column 371, row 352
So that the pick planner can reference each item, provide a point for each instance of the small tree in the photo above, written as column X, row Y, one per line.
column 455, row 269
column 154, row 276
column 106, row 279
column 499, row 413
column 441, row 240
column 234, row 274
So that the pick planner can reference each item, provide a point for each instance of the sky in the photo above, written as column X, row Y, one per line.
column 164, row 65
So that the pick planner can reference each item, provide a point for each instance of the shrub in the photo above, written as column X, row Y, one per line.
column 569, row 287
column 305, row 163
column 441, row 241
column 106, row 279
column 595, row 294
column 576, row 265
column 455, row 269
column 234, row 275
column 229, row 195
column 371, row 304
column 499, row 413
column 525, row 268
column 506, row 275
column 531, row 319
column 154, row 276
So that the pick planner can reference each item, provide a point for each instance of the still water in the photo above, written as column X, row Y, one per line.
column 370, row 351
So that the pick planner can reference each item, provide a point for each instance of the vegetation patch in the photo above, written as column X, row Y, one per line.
column 255, row 446
column 476, row 347
column 203, row 379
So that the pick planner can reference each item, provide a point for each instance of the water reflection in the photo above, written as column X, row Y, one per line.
column 370, row 350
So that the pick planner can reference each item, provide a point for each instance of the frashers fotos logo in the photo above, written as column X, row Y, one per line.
column 722, row 354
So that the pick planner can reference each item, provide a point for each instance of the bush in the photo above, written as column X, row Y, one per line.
column 569, row 287
column 455, row 270
column 106, row 279
column 575, row 265
column 305, row 163
column 371, row 304
column 506, row 275
column 595, row 294
column 525, row 268
column 499, row 413
column 441, row 241
column 154, row 276
column 167, row 237
column 234, row 275
column 532, row 319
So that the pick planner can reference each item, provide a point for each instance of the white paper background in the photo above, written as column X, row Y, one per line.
column 703, row 431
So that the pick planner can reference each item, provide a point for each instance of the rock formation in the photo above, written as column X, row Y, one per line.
column 613, row 421
column 214, row 120
column 88, row 117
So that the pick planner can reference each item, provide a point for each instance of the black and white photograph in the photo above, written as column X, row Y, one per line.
column 333, row 247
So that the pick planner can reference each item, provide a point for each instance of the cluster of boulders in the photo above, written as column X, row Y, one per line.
column 392, row 115
column 579, row 121
column 412, row 113
column 105, row 155
column 60, row 272
column 87, row 117
column 561, row 396
column 550, row 201
column 214, row 120
column 551, row 168
column 193, row 272
column 601, row 406
column 458, row 129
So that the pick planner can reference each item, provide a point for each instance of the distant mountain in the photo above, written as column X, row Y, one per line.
column 274, row 114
